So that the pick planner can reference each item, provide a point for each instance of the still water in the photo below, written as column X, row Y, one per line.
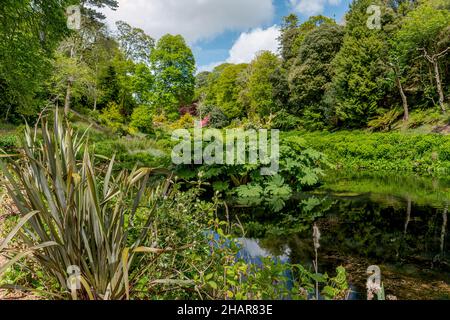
column 399, row 223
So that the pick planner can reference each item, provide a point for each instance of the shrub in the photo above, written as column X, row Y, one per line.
column 386, row 121
column 217, row 118
column 185, row 122
column 8, row 142
column 444, row 152
column 300, row 168
column 112, row 116
column 285, row 121
column 159, row 121
column 142, row 119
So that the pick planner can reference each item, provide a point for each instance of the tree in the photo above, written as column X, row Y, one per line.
column 25, row 48
column 71, row 77
column 135, row 44
column 312, row 72
column 259, row 88
column 137, row 47
column 116, row 83
column 201, row 85
column 293, row 34
column 359, row 81
column 288, row 36
column 98, row 56
column 426, row 32
column 142, row 84
column 397, row 73
column 226, row 84
column 173, row 65
column 90, row 8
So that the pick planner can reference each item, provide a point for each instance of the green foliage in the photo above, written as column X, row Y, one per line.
column 185, row 122
column 71, row 70
column 311, row 71
column 385, row 121
column 74, row 220
column 258, row 93
column 217, row 118
column 112, row 116
column 142, row 83
column 285, row 121
column 383, row 151
column 173, row 65
column 25, row 48
column 428, row 117
column 224, row 88
column 358, row 84
column 424, row 27
column 273, row 194
column 142, row 119
column 293, row 34
column 422, row 44
column 301, row 168
column 235, row 279
column 8, row 142
column 135, row 44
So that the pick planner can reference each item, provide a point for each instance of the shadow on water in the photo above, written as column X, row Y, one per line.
column 398, row 223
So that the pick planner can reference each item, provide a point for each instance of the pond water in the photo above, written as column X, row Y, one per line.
column 399, row 223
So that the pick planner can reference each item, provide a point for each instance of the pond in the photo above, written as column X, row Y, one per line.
column 399, row 223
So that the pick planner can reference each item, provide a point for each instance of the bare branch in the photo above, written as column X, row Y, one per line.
column 443, row 53
column 425, row 54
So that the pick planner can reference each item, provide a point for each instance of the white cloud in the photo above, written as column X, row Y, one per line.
column 209, row 67
column 194, row 19
column 248, row 45
column 312, row 7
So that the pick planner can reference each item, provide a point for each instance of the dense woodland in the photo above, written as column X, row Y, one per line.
column 328, row 75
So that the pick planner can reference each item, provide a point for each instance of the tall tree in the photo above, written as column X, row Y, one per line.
column 225, row 87
column 29, row 32
column 293, row 33
column 71, row 77
column 359, row 81
column 259, row 86
column 135, row 43
column 173, row 65
column 312, row 72
column 426, row 32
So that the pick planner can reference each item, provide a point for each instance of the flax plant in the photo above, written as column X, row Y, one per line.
column 74, row 214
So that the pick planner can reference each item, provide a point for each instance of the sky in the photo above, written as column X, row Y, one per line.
column 221, row 31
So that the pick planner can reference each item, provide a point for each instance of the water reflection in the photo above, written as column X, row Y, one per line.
column 398, row 223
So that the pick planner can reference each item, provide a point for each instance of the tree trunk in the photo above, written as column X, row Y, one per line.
column 408, row 216
column 95, row 102
column 68, row 97
column 434, row 60
column 437, row 75
column 7, row 113
column 444, row 228
column 404, row 98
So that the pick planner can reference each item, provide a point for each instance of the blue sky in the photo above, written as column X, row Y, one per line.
column 222, row 30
